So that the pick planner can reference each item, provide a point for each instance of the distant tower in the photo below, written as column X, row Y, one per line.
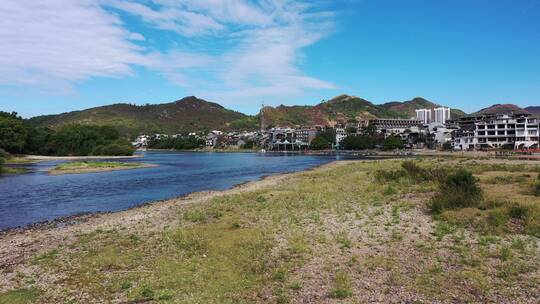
column 261, row 117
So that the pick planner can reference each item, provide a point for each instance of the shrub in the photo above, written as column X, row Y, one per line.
column 359, row 142
column 115, row 149
column 418, row 173
column 412, row 169
column 458, row 190
column 320, row 143
column 147, row 293
column 389, row 175
column 342, row 287
column 518, row 211
column 4, row 154
column 447, row 146
column 392, row 143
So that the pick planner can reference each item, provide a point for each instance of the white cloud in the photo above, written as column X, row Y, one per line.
column 55, row 43
column 268, row 39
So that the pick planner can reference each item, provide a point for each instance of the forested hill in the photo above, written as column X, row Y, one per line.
column 343, row 108
column 187, row 114
column 194, row 114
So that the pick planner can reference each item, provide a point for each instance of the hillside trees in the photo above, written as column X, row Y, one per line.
column 18, row 137
column 82, row 140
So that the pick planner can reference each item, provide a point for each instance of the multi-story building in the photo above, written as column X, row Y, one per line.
column 340, row 135
column 394, row 126
column 424, row 115
column 439, row 115
column 495, row 131
column 305, row 135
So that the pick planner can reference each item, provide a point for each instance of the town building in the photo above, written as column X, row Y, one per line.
column 395, row 126
column 305, row 134
column 424, row 115
column 341, row 133
column 441, row 115
column 436, row 115
column 519, row 131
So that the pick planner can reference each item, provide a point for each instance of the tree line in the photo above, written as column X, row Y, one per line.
column 367, row 139
column 19, row 137
column 187, row 142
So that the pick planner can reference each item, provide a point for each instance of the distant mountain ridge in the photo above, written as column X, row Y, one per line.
column 533, row 110
column 503, row 109
column 187, row 114
column 343, row 108
column 194, row 114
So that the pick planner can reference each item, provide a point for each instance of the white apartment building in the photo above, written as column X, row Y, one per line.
column 435, row 115
column 424, row 115
column 441, row 115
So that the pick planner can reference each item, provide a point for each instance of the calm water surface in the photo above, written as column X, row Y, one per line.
column 35, row 197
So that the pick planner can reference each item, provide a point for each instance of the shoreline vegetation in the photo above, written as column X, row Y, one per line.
column 79, row 167
column 353, row 231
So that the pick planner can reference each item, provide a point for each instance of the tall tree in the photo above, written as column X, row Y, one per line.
column 13, row 132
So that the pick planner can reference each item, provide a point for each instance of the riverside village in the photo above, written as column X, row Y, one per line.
column 432, row 128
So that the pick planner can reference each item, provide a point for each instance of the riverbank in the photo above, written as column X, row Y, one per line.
column 47, row 158
column 80, row 167
column 330, row 234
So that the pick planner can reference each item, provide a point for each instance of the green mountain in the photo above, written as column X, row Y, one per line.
column 194, row 114
column 187, row 114
column 343, row 108
column 339, row 109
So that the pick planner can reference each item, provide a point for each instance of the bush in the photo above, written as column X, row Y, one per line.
column 355, row 142
column 458, row 190
column 389, row 175
column 418, row 173
column 412, row 169
column 392, row 143
column 319, row 143
column 115, row 149
column 342, row 286
column 4, row 154
column 518, row 211
column 447, row 146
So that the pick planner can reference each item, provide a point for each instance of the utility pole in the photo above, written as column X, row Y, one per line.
column 261, row 117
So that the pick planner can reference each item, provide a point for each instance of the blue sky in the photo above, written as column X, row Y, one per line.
column 64, row 55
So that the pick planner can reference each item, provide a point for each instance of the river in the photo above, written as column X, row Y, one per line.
column 37, row 196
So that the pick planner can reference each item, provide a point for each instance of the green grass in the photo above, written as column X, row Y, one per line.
column 19, row 296
column 341, row 286
column 325, row 231
column 13, row 170
column 78, row 165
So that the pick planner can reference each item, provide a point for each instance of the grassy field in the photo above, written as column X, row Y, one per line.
column 92, row 166
column 354, row 233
